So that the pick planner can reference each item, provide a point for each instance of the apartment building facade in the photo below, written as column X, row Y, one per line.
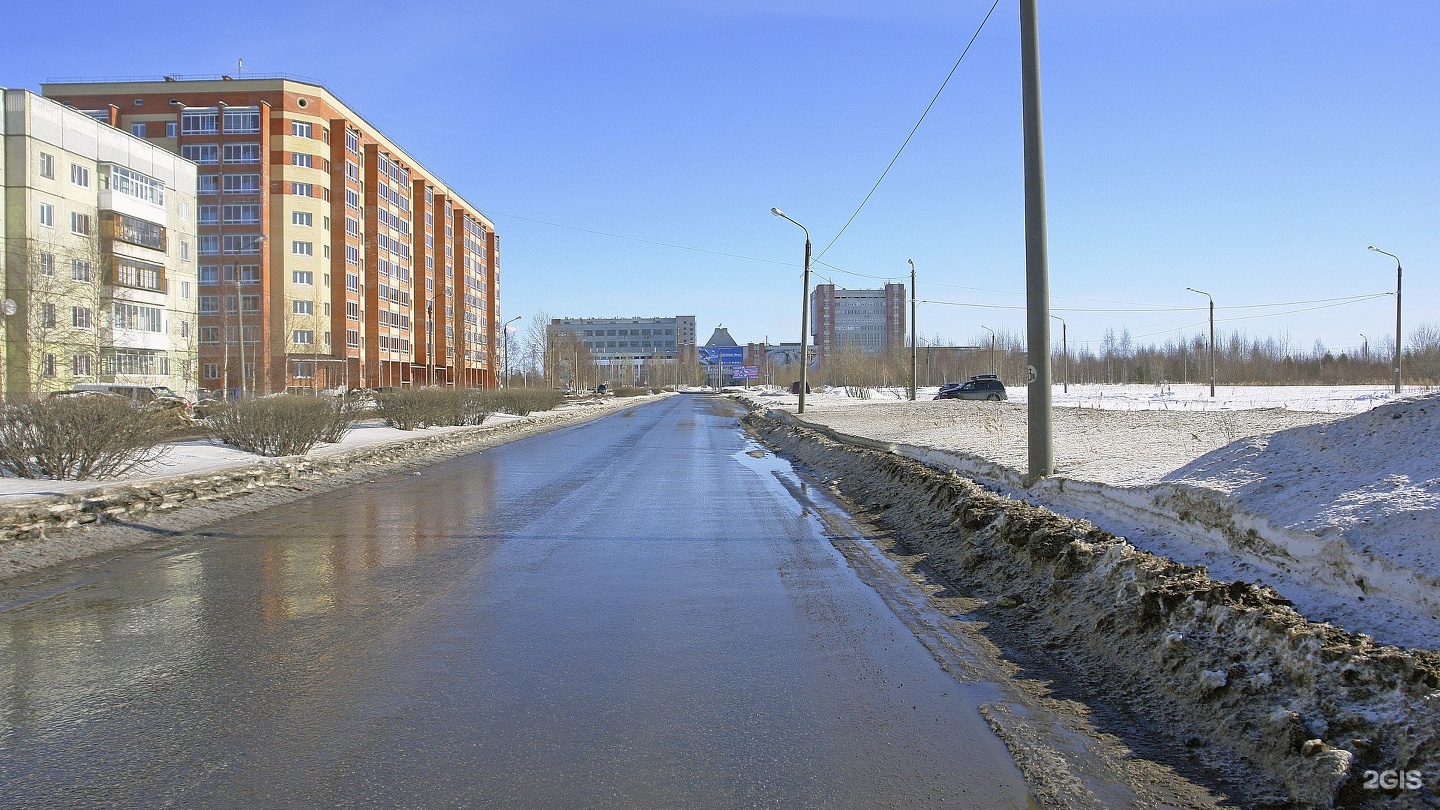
column 870, row 320
column 328, row 257
column 100, row 263
column 628, row 349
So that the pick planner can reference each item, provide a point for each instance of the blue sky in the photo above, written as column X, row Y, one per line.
column 1251, row 148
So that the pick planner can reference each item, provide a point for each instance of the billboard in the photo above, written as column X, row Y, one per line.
column 721, row 355
column 746, row 373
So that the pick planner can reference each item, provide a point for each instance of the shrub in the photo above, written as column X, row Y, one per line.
column 285, row 425
column 411, row 408
column 525, row 401
column 630, row 391
column 78, row 437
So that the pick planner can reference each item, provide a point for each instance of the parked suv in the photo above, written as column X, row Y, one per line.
column 981, row 386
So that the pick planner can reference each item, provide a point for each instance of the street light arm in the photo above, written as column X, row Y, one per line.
column 777, row 212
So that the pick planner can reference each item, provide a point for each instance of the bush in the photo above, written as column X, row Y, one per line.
column 525, row 401
column 629, row 391
column 79, row 437
column 285, row 425
column 411, row 408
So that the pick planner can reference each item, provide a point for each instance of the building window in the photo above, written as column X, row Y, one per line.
column 209, row 274
column 244, row 243
column 209, row 245
column 352, row 254
column 199, row 122
column 79, row 175
column 302, row 308
column 138, row 232
column 242, row 184
column 80, row 318
column 47, row 215
column 300, row 129
column 243, row 214
column 83, row 365
column 209, row 183
column 47, row 166
column 352, row 338
column 170, row 129
column 46, row 265
column 242, row 120
column 352, row 141
column 209, row 215
column 185, row 291
column 352, row 310
column 209, row 304
column 250, row 303
column 302, row 248
column 302, row 159
column 135, row 316
column 47, row 316
column 79, row 270
column 184, row 250
column 210, row 371
column 202, row 153
column 302, row 337
column 249, row 273
column 47, row 365
column 352, row 282
column 140, row 275
column 302, row 189
column 80, row 223
column 302, row 277
column 242, row 153
column 302, row 218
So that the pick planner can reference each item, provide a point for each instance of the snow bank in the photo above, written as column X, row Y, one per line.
column 1228, row 665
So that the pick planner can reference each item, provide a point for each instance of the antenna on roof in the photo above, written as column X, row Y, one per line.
column 240, row 68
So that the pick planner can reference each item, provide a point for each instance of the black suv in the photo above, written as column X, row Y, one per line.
column 981, row 386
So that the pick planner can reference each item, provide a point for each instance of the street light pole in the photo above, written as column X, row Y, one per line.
column 1398, row 272
column 992, row 348
column 1037, row 261
column 912, row 329
column 1064, row 349
column 505, row 331
column 804, row 307
column 1212, row 337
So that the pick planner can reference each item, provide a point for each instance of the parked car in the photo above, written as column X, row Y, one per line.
column 602, row 388
column 141, row 394
column 980, row 386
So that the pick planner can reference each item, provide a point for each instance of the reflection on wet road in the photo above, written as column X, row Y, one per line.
column 630, row 612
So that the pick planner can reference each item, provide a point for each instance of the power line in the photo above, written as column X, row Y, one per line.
column 914, row 129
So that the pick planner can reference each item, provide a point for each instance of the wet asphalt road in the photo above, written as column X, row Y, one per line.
column 631, row 612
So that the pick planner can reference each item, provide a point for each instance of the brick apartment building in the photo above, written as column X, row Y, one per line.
column 872, row 320
column 328, row 257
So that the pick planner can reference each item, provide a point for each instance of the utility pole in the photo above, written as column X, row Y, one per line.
column 912, row 329
column 1212, row 337
column 1398, row 272
column 1064, row 349
column 1037, row 262
column 804, row 308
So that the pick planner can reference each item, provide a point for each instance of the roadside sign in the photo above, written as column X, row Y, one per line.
column 746, row 373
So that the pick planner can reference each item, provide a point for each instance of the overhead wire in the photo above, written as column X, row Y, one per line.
column 913, row 130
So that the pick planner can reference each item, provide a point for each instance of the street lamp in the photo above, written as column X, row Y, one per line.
column 505, row 330
column 1212, row 337
column 912, row 329
column 992, row 347
column 1064, row 349
column 1364, row 348
column 804, row 307
column 1398, row 272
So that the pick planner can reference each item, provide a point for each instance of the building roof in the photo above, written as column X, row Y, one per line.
column 720, row 338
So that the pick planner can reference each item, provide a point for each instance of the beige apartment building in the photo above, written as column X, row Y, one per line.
column 100, row 270
column 328, row 257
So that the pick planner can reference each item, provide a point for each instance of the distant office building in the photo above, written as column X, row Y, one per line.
column 328, row 256
column 99, row 255
column 611, row 338
column 871, row 320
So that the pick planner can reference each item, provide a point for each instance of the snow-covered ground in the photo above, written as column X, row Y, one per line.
column 207, row 455
column 1331, row 495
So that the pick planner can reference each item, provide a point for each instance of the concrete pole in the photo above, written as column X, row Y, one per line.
column 1037, row 262
column 804, row 306
column 912, row 329
column 1398, row 272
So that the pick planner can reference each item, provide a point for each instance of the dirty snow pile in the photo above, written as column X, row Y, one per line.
column 1340, row 514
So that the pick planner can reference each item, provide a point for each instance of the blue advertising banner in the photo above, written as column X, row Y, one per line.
column 721, row 355
column 746, row 373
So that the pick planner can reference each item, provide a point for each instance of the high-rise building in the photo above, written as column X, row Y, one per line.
column 871, row 320
column 99, row 264
column 328, row 257
column 626, row 348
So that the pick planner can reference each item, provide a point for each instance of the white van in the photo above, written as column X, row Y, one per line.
column 143, row 394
